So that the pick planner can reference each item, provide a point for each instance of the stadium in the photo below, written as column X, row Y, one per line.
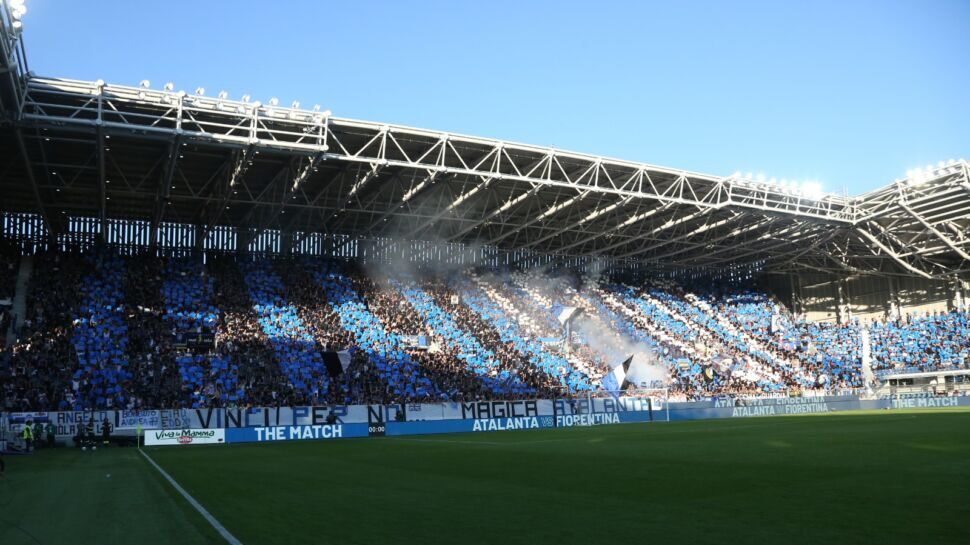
column 229, row 321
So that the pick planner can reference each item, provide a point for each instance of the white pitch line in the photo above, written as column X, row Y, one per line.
column 198, row 506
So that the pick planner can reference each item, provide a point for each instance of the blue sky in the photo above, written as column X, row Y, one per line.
column 851, row 93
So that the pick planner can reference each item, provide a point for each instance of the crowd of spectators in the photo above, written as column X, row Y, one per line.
column 240, row 339
column 456, row 380
column 501, row 380
column 567, row 378
column 928, row 342
column 299, row 359
column 130, row 332
column 41, row 362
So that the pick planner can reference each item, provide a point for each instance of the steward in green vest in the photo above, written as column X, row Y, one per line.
column 28, row 435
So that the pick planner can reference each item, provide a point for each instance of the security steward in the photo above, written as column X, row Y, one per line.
column 28, row 436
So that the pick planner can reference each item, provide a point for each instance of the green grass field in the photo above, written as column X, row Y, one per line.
column 891, row 477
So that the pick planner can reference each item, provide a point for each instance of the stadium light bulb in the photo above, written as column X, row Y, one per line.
column 169, row 86
column 144, row 84
column 274, row 101
column 223, row 95
column 200, row 91
column 295, row 104
column 16, row 3
column 761, row 178
column 245, row 98
column 17, row 25
column 327, row 113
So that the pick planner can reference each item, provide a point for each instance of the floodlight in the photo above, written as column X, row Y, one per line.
column 316, row 107
column 16, row 3
column 99, row 83
column 223, row 95
column 245, row 98
column 295, row 104
column 761, row 178
column 274, row 101
column 17, row 25
column 144, row 84
column 812, row 190
column 749, row 176
column 326, row 113
column 169, row 86
column 200, row 91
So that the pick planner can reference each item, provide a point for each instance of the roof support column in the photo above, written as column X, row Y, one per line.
column 954, row 292
column 102, row 174
column 893, row 310
column 843, row 310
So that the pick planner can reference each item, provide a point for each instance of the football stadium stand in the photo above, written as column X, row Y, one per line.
column 160, row 249
column 116, row 331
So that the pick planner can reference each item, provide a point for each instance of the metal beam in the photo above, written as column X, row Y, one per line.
column 945, row 239
column 506, row 206
column 554, row 209
column 300, row 176
column 656, row 230
column 236, row 177
column 891, row 254
column 29, row 168
column 273, row 128
column 589, row 217
column 164, row 188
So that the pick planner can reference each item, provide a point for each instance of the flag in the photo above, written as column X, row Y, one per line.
column 615, row 381
column 336, row 362
column 568, row 313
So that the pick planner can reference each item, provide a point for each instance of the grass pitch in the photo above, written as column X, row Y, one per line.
column 891, row 477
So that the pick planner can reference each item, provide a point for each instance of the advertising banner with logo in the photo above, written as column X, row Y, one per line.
column 188, row 436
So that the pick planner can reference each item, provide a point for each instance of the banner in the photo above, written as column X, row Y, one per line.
column 132, row 420
column 295, row 433
column 397, row 419
column 188, row 436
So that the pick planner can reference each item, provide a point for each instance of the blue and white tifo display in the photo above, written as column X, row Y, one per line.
column 271, row 424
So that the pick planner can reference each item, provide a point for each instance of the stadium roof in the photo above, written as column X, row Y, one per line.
column 91, row 149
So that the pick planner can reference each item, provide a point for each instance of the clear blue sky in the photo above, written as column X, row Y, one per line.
column 852, row 93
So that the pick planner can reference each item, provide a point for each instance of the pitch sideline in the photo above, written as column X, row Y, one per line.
column 231, row 539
